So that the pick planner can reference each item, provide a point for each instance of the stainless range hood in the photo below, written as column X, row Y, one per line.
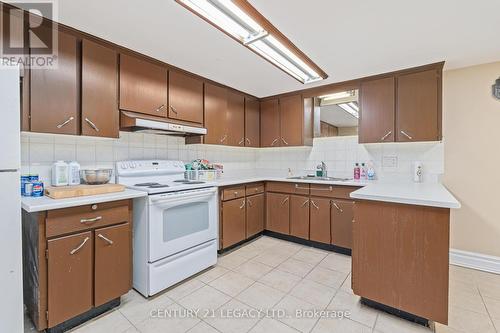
column 136, row 122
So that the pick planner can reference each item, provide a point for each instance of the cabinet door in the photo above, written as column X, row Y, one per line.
column 113, row 263
column 252, row 123
column 299, row 216
column 54, row 91
column 185, row 97
column 70, row 277
column 320, row 220
column 255, row 214
column 143, row 86
column 233, row 222
column 235, row 119
column 417, row 106
column 100, row 115
column 292, row 120
column 270, row 123
column 215, row 114
column 342, row 217
column 278, row 213
column 376, row 120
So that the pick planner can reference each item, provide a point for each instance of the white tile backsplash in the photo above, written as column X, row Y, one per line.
column 39, row 151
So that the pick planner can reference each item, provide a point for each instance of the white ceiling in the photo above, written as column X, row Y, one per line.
column 336, row 116
column 348, row 39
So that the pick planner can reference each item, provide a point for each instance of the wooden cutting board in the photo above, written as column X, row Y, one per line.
column 64, row 192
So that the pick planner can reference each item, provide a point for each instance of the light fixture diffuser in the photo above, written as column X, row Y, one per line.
column 242, row 22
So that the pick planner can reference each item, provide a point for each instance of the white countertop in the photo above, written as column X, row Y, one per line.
column 251, row 179
column 37, row 204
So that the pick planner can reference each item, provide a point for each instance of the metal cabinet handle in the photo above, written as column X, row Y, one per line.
column 305, row 202
column 242, row 141
column 407, row 135
column 248, row 141
column 158, row 109
column 95, row 219
column 171, row 108
column 94, row 126
column 66, row 122
column 314, row 204
column 243, row 204
column 274, row 141
column 249, row 203
column 297, row 186
column 284, row 141
column 107, row 240
column 284, row 201
column 386, row 136
column 223, row 138
column 75, row 250
column 329, row 189
column 337, row 206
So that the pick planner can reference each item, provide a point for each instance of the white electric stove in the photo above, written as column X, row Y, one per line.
column 175, row 226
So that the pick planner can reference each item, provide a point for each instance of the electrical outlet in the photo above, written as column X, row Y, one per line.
column 390, row 161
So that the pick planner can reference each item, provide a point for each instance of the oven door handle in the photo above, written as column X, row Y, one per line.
column 193, row 196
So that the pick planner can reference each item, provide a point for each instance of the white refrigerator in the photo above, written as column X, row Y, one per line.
column 11, row 296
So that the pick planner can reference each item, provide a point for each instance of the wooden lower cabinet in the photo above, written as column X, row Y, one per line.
column 233, row 222
column 320, row 220
column 113, row 264
column 342, row 215
column 70, row 277
column 299, row 216
column 400, row 257
column 255, row 214
column 278, row 213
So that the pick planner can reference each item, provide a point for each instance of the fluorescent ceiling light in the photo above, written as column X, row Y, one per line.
column 353, row 110
column 230, row 16
column 339, row 95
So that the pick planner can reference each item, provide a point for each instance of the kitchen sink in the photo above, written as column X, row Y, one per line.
column 320, row 178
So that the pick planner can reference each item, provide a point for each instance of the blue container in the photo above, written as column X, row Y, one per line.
column 37, row 190
column 24, row 179
column 33, row 177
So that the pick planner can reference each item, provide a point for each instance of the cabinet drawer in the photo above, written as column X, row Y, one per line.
column 68, row 220
column 255, row 189
column 293, row 188
column 233, row 193
column 332, row 191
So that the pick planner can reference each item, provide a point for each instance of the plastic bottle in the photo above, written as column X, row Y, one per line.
column 73, row 173
column 363, row 172
column 60, row 173
column 370, row 172
column 357, row 171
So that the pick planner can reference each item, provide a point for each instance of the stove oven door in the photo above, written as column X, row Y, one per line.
column 180, row 220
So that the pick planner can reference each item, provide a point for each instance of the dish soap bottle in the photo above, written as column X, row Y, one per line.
column 363, row 172
column 370, row 172
column 357, row 171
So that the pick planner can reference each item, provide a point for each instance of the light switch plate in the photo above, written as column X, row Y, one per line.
column 390, row 161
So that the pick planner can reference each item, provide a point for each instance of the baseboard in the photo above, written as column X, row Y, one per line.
column 482, row 262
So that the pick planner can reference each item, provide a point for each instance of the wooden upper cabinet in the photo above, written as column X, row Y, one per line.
column 54, row 91
column 235, row 119
column 418, row 106
column 185, row 97
column 143, row 86
column 291, row 121
column 100, row 114
column 299, row 216
column 113, row 263
column 278, row 213
column 270, row 123
column 70, row 277
column 252, row 122
column 215, row 114
column 377, row 110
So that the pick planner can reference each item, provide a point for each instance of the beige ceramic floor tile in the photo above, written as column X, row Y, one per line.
column 203, row 327
column 234, row 317
column 282, row 281
column 232, row 283
column 231, row 260
column 174, row 320
column 496, row 322
column 268, row 325
column 184, row 288
column 287, row 248
column 469, row 322
column 327, row 325
column 358, row 312
column 294, row 313
column 489, row 288
column 327, row 277
column 248, row 251
column 337, row 262
column 139, row 308
column 461, row 274
column 205, row 298
column 265, row 242
column 493, row 306
column 109, row 322
column 310, row 256
column 391, row 324
column 260, row 296
column 346, row 286
column 212, row 274
column 272, row 259
column 295, row 267
column 314, row 293
column 467, row 286
column 467, row 300
column 440, row 328
column 253, row 269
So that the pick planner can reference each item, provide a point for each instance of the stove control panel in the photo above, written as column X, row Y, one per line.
column 146, row 166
